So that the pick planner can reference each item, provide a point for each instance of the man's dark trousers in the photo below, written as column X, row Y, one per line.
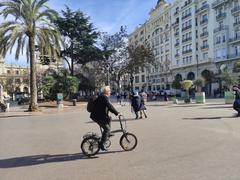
column 106, row 132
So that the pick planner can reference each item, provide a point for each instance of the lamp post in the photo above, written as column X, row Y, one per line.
column 108, row 75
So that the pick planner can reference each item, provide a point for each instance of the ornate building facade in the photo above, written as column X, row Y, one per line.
column 203, row 35
column 14, row 79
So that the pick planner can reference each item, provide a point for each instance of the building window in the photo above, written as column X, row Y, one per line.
column 224, row 52
column 204, row 30
column 143, row 78
column 237, row 50
column 18, row 81
column 205, row 43
column 205, row 56
column 8, row 71
column 136, row 79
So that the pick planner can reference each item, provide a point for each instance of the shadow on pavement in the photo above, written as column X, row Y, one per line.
column 117, row 120
column 217, row 107
column 45, row 158
column 39, row 159
column 157, row 105
column 12, row 116
column 209, row 118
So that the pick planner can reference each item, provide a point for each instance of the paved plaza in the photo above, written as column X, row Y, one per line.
column 176, row 142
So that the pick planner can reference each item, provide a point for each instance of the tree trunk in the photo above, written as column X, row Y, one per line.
column 72, row 62
column 131, row 82
column 33, row 106
column 118, row 82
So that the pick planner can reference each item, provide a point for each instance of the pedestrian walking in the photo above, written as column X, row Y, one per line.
column 236, row 104
column 165, row 96
column 136, row 102
column 142, row 106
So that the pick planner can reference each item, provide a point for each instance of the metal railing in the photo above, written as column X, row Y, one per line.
column 186, row 28
column 186, row 40
column 221, row 16
column 204, row 47
column 204, row 7
column 218, row 3
column 235, row 9
column 203, row 21
column 221, row 28
column 204, row 34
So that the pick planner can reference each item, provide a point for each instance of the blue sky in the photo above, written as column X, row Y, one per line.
column 106, row 15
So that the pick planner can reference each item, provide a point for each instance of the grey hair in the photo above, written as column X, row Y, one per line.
column 106, row 89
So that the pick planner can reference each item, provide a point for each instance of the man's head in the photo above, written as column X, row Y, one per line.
column 106, row 90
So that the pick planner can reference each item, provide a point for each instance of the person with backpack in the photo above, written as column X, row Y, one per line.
column 136, row 103
column 100, row 114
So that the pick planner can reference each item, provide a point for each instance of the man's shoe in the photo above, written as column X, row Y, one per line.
column 103, row 148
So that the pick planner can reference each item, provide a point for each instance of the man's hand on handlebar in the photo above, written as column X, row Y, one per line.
column 119, row 115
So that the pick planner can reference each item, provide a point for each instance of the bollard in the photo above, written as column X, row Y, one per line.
column 74, row 102
column 60, row 104
column 8, row 107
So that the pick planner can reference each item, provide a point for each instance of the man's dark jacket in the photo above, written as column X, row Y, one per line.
column 101, row 108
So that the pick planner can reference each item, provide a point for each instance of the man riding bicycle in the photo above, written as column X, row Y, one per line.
column 102, row 106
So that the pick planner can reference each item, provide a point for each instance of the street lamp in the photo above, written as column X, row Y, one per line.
column 108, row 75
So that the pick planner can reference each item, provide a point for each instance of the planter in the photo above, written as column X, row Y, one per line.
column 200, row 98
column 174, row 99
column 229, row 97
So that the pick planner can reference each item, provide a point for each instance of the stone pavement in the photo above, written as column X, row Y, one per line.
column 176, row 142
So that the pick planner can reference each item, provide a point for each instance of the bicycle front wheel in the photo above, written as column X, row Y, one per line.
column 90, row 146
column 128, row 141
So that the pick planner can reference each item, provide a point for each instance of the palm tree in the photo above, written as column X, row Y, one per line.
column 32, row 27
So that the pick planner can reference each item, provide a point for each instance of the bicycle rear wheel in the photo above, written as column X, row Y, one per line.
column 90, row 146
column 128, row 141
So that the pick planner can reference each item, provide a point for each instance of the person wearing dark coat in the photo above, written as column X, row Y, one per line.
column 236, row 104
column 165, row 96
column 136, row 103
column 102, row 107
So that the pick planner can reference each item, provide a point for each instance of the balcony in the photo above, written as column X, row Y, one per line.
column 186, row 16
column 176, row 34
column 236, row 23
column 176, row 23
column 186, row 40
column 187, row 51
column 186, row 28
column 219, row 3
column 235, row 10
column 205, row 47
column 176, row 13
column 177, row 55
column 221, row 16
column 186, row 4
column 204, row 34
column 234, row 40
column 202, row 9
column 221, row 28
column 177, row 44
column 203, row 21
column 234, row 56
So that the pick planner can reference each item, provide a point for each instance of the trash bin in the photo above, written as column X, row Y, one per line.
column 74, row 102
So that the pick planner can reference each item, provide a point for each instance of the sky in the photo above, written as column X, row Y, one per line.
column 106, row 15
